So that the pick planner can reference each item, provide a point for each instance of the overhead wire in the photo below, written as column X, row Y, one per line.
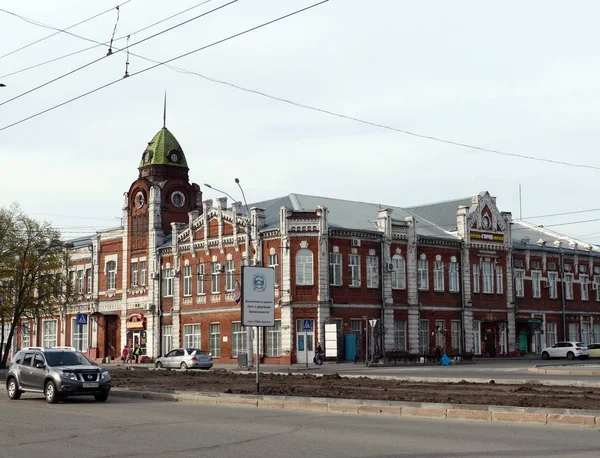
column 64, row 75
column 264, row 24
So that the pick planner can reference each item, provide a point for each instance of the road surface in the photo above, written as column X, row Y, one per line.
column 135, row 428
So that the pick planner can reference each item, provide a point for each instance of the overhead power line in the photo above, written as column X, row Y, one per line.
column 115, row 52
column 564, row 213
column 58, row 30
column 264, row 24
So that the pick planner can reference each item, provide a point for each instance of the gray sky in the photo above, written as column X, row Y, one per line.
column 520, row 77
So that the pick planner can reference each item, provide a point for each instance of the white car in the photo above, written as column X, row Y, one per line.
column 185, row 358
column 570, row 350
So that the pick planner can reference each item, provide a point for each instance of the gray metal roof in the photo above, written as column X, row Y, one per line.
column 443, row 214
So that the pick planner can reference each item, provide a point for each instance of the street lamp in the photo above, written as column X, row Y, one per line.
column 2, row 85
column 249, row 343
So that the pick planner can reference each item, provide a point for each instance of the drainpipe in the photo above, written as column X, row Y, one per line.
column 462, row 293
column 381, row 286
column 562, row 293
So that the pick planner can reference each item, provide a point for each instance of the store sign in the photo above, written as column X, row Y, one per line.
column 487, row 237
column 135, row 322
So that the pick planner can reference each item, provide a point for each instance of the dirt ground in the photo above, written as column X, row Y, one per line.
column 335, row 386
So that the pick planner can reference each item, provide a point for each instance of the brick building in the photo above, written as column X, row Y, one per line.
column 459, row 275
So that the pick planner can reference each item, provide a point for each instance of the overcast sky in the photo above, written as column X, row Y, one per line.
column 519, row 77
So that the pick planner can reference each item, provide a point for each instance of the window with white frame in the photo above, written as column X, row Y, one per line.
column 215, row 340
column 583, row 283
column 215, row 277
column 573, row 332
column 111, row 275
column 88, row 281
column 25, row 335
column 499, row 279
column 440, row 334
column 80, row 280
column 423, row 337
column 354, row 268
column 273, row 261
column 552, row 285
column 453, row 276
column 167, row 338
column 475, row 269
column 597, row 287
column 187, row 280
column 550, row 334
column 143, row 273
column 238, row 339
column 596, row 332
column 167, row 282
column 398, row 272
column 191, row 336
column 79, row 335
column 586, row 331
column 200, row 280
column 477, row 337
column 422, row 274
column 372, row 272
column 400, row 342
column 487, row 277
column 568, row 286
column 274, row 347
column 536, row 289
column 335, row 269
column 304, row 267
column 134, row 274
column 229, row 275
column 438, row 276
column 456, row 334
column 519, row 283
column 49, row 333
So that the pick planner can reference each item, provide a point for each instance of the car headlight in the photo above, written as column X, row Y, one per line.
column 69, row 375
column 104, row 375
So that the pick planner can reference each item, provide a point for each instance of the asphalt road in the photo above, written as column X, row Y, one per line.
column 133, row 428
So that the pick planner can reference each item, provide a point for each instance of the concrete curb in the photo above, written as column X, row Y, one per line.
column 542, row 370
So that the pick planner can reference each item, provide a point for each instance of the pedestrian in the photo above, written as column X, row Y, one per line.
column 318, row 354
column 124, row 354
column 138, row 352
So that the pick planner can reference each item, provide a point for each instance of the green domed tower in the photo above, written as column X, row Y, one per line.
column 163, row 158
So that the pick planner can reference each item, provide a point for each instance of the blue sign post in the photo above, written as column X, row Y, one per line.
column 82, row 319
column 307, row 325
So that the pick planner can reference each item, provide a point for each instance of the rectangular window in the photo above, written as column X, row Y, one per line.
column 423, row 337
column 569, row 286
column 143, row 273
column 229, row 275
column 440, row 334
column 354, row 267
column 477, row 337
column 215, row 339
column 487, row 276
column 356, row 326
column 552, row 285
column 438, row 276
column 167, row 282
column 475, row 278
column 399, row 272
column 574, row 332
column 583, row 283
column 372, row 272
column 79, row 335
column 335, row 269
column 111, row 275
column 88, row 280
column 499, row 279
column 400, row 342
column 25, row 335
column 519, row 283
column 422, row 274
column 586, row 331
column 49, row 333
column 597, row 283
column 550, row 334
column 238, row 339
column 187, row 280
column 191, row 336
column 304, row 268
column 215, row 277
column 200, row 280
column 167, row 339
column 536, row 277
column 134, row 274
column 274, row 263
column 80, row 279
column 596, row 332
column 456, row 335
column 274, row 339
column 454, row 277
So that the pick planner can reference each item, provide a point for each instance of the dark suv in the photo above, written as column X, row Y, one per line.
column 57, row 372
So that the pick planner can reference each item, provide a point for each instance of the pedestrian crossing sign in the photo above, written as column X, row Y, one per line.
column 82, row 318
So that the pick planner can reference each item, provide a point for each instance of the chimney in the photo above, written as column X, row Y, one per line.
column 237, row 208
column 222, row 203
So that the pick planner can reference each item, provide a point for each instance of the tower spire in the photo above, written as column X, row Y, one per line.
column 165, row 111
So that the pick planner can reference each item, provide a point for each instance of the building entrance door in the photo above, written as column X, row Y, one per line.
column 305, row 345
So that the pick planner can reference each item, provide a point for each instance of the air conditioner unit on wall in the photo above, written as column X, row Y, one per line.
column 219, row 267
column 355, row 242
column 546, row 284
column 173, row 272
column 594, row 285
column 153, row 275
column 390, row 266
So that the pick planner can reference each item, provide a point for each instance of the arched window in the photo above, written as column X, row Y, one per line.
column 398, row 272
column 304, row 268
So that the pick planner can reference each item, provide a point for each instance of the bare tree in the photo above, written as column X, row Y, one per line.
column 34, row 278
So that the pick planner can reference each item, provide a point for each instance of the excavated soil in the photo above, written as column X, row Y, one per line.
column 335, row 386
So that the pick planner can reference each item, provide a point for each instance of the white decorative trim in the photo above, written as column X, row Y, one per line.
column 215, row 258
column 371, row 252
column 272, row 251
column 453, row 259
column 399, row 251
column 438, row 257
column 354, row 250
column 186, row 262
column 229, row 257
column 335, row 249
column 303, row 244
column 423, row 257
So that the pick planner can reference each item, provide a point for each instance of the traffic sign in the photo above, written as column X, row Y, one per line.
column 373, row 323
column 307, row 325
column 82, row 318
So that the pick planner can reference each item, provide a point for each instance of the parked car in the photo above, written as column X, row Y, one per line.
column 185, row 358
column 570, row 350
column 57, row 372
column 594, row 349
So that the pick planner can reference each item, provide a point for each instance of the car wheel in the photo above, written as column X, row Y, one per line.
column 545, row 355
column 50, row 392
column 571, row 355
column 159, row 365
column 101, row 397
column 13, row 389
column 183, row 365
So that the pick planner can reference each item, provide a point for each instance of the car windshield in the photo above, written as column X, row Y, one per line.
column 66, row 358
column 196, row 350
column 580, row 344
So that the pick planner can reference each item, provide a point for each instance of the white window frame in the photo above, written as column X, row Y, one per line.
column 372, row 272
column 354, row 270
column 456, row 335
column 80, row 279
column 398, row 272
column 143, row 273
column 304, row 267
column 192, row 336
column 88, row 280
column 25, row 334
column 111, row 275
column 79, row 335
column 273, row 261
column 536, row 284
column 229, row 275
column 477, row 337
column 586, row 332
column 335, row 269
column 596, row 331
column 215, row 278
column 519, row 283
column 400, row 335
column 238, row 339
column 550, row 333
column 200, row 280
column 423, row 274
column 499, row 279
column 167, row 282
column 187, row 280
column 274, row 342
column 568, row 278
column 453, row 277
column 487, row 277
column 438, row 276
column 475, row 270
column 584, row 287
column 49, row 336
column 215, row 339
column 134, row 273
column 552, row 285
column 423, row 337
column 167, row 338
column 597, row 282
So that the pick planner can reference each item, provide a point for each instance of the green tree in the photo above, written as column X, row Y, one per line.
column 34, row 278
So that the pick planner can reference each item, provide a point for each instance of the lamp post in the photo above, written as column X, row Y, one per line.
column 249, row 343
